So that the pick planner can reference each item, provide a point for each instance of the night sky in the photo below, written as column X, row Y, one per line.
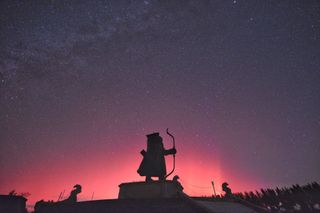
column 81, row 84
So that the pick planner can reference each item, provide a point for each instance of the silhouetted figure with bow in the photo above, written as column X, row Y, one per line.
column 153, row 163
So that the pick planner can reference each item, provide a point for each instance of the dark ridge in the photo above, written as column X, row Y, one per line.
column 126, row 205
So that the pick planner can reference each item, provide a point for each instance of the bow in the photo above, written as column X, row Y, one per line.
column 174, row 155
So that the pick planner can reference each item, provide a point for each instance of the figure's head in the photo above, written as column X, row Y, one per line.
column 154, row 142
column 153, row 135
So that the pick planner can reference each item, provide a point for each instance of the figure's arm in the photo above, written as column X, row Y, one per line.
column 170, row 151
column 143, row 152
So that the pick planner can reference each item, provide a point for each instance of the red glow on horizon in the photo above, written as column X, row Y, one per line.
column 101, row 176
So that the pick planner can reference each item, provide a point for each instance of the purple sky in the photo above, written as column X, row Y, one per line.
column 237, row 82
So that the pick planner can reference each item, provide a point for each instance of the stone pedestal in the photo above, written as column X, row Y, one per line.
column 150, row 190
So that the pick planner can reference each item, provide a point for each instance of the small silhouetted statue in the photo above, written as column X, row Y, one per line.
column 175, row 180
column 153, row 163
column 227, row 190
column 73, row 194
column 71, row 199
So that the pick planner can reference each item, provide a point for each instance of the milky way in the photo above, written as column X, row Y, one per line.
column 82, row 83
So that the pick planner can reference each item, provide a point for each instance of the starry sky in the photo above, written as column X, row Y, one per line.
column 82, row 82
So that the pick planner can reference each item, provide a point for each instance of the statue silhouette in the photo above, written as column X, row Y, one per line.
column 153, row 163
column 227, row 190
column 71, row 199
column 73, row 194
column 178, row 184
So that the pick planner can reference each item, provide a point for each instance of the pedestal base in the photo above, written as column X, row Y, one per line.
column 155, row 189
